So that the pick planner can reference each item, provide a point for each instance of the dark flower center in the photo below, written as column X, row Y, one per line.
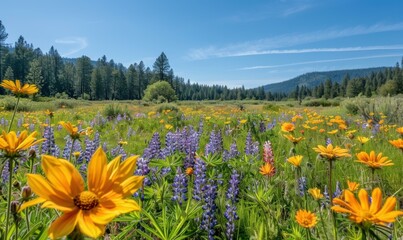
column 86, row 200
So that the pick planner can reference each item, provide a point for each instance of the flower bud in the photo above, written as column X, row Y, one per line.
column 17, row 185
column 26, row 192
column 15, row 205
column 32, row 153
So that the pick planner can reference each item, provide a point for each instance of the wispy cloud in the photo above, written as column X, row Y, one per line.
column 296, row 9
column 77, row 43
column 267, row 45
column 320, row 61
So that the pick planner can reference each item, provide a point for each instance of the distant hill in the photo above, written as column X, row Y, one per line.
column 313, row 79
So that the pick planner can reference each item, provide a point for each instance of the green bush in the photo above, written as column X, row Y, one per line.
column 65, row 103
column 271, row 107
column 111, row 111
column 160, row 91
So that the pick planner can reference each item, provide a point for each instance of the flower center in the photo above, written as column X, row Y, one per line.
column 86, row 200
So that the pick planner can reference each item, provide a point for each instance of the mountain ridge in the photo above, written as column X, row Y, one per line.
column 312, row 79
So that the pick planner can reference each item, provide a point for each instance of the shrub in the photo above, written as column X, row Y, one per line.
column 65, row 103
column 160, row 91
column 271, row 107
column 111, row 111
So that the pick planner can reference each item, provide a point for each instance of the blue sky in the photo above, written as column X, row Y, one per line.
column 233, row 43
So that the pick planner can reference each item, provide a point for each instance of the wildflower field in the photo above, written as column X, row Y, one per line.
column 194, row 170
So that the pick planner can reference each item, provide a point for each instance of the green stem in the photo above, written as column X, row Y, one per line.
column 27, row 219
column 321, row 219
column 10, row 185
column 16, row 229
column 373, row 178
column 71, row 150
column 330, row 182
column 308, row 233
column 15, row 110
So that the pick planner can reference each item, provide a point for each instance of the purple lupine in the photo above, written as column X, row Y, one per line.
column 68, row 149
column 19, row 122
column 190, row 145
column 327, row 197
column 215, row 143
column 302, row 186
column 232, row 198
column 251, row 148
column 200, row 169
column 200, row 131
column 328, row 141
column 180, row 186
column 209, row 220
column 171, row 144
column 5, row 174
column 271, row 125
column 262, row 127
column 338, row 191
column 143, row 169
column 90, row 147
column 118, row 150
column 154, row 148
column 49, row 145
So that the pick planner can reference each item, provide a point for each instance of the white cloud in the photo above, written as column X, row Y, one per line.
column 294, row 10
column 77, row 43
column 268, row 44
column 320, row 61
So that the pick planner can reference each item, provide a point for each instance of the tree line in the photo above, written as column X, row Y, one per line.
column 384, row 83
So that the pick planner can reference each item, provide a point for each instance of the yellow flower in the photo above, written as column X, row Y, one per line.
column 333, row 131
column 49, row 113
column 287, row 127
column 121, row 142
column 365, row 212
column 294, row 139
column 25, row 125
column 315, row 193
column 295, row 160
column 322, row 130
column 73, row 130
column 306, row 219
column 372, row 160
column 162, row 121
column 227, row 122
column 76, row 154
column 267, row 170
column 243, row 121
column 12, row 145
column 362, row 140
column 331, row 153
column 352, row 186
column 16, row 89
column 89, row 210
column 397, row 143
column 168, row 126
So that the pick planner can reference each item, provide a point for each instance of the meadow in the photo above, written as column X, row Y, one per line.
column 212, row 170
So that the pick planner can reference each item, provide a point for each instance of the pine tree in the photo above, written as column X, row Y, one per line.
column 161, row 68
column 35, row 74
column 3, row 37
column 9, row 74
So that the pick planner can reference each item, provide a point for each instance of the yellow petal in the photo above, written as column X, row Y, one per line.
column 97, row 170
column 64, row 225
column 31, row 203
column 88, row 227
column 42, row 188
column 127, row 168
column 49, row 204
column 63, row 175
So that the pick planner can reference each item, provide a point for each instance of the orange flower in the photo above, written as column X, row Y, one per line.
column 16, row 89
column 73, row 130
column 399, row 130
column 331, row 153
column 109, row 186
column 364, row 212
column 352, row 186
column 267, row 170
column 372, row 160
column 287, row 127
column 189, row 171
column 306, row 219
column 333, row 131
column 397, row 143
column 295, row 160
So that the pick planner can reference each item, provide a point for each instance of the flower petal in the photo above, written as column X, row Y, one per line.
column 376, row 201
column 44, row 190
column 33, row 202
column 63, row 175
column 64, row 225
column 363, row 196
column 97, row 170
column 88, row 227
